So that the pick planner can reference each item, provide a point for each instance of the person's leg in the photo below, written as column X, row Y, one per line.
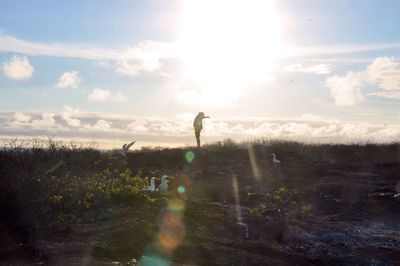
column 197, row 134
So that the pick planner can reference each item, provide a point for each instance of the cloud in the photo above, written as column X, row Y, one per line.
column 67, row 116
column 337, row 49
column 69, row 79
column 138, row 126
column 387, row 94
column 20, row 119
column 383, row 72
column 106, row 95
column 101, row 125
column 307, row 127
column 18, row 68
column 133, row 69
column 319, row 69
column 102, row 64
column 346, row 90
column 45, row 122
column 144, row 56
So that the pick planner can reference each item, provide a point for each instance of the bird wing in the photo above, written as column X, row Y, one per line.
column 129, row 145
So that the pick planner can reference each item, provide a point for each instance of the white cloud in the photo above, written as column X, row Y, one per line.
column 138, row 126
column 346, row 90
column 88, row 51
column 101, row 125
column 133, row 69
column 383, row 72
column 337, row 49
column 21, row 117
column 106, row 95
column 67, row 116
column 102, row 64
column 319, row 69
column 185, row 116
column 69, row 79
column 18, row 68
column 144, row 56
column 47, row 122
column 20, row 120
column 387, row 94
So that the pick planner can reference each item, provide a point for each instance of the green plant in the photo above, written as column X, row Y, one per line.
column 305, row 211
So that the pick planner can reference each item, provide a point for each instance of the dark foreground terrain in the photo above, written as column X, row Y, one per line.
column 228, row 204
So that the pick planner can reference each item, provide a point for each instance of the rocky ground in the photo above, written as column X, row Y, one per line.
column 238, row 208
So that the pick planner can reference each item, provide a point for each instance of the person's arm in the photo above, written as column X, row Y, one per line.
column 207, row 116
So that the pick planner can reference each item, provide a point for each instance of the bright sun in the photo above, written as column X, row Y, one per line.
column 226, row 45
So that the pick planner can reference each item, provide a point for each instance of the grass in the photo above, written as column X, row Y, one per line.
column 45, row 182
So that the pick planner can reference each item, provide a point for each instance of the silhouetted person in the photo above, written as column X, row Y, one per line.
column 198, row 126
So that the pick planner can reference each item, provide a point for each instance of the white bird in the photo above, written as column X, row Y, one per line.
column 126, row 147
column 164, row 185
column 274, row 160
column 152, row 186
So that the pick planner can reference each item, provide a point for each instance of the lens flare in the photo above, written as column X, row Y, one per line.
column 171, row 231
column 253, row 162
column 189, row 155
column 176, row 204
column 181, row 189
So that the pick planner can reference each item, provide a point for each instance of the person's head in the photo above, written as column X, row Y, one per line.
column 201, row 114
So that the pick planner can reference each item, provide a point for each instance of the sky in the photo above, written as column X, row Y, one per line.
column 115, row 71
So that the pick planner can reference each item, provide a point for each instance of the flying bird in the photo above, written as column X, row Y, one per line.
column 126, row 147
column 274, row 160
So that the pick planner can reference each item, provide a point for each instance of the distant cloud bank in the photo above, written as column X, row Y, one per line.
column 73, row 123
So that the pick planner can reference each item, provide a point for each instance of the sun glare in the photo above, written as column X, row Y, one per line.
column 226, row 45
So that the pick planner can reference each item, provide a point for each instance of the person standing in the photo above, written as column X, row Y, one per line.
column 198, row 126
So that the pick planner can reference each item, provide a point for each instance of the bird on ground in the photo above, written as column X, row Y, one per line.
column 274, row 160
column 152, row 186
column 126, row 147
column 164, row 185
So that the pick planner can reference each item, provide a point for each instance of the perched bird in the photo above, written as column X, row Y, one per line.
column 164, row 185
column 274, row 160
column 126, row 147
column 152, row 186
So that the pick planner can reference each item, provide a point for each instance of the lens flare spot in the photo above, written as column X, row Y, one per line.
column 153, row 259
column 176, row 204
column 170, row 239
column 170, row 219
column 171, row 231
column 189, row 155
column 181, row 189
